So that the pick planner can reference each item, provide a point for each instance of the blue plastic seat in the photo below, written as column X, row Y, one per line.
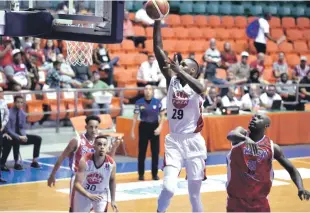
column 307, row 12
column 298, row 11
column 225, row 9
column 213, row 8
column 246, row 4
column 271, row 9
column 137, row 5
column 256, row 10
column 129, row 5
column 174, row 4
column 284, row 11
column 186, row 7
column 199, row 8
column 237, row 9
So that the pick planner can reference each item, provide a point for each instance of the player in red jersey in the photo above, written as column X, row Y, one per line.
column 78, row 147
column 249, row 168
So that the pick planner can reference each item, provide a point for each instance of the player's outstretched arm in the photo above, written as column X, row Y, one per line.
column 80, row 175
column 159, row 52
column 112, row 185
column 290, row 168
column 191, row 81
column 71, row 147
column 237, row 135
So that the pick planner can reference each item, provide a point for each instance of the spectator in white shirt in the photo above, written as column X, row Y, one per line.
column 267, row 98
column 280, row 66
column 149, row 72
column 212, row 60
column 143, row 18
column 230, row 99
column 263, row 33
column 250, row 100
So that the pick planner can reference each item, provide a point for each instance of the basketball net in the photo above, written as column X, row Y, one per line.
column 79, row 53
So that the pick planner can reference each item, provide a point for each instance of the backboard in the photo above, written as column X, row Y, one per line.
column 97, row 22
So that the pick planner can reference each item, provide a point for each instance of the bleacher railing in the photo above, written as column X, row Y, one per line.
column 119, row 92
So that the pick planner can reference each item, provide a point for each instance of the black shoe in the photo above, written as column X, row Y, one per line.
column 2, row 181
column 18, row 167
column 4, row 169
column 35, row 165
column 156, row 177
column 141, row 177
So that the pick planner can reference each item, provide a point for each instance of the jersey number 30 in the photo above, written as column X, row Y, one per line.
column 177, row 114
column 91, row 187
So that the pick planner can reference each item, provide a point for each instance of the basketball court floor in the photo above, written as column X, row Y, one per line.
column 27, row 190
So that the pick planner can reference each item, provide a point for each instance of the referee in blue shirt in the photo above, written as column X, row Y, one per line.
column 150, row 110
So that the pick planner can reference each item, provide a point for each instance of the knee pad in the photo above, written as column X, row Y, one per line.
column 169, row 185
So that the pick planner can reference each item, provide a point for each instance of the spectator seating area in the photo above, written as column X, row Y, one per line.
column 191, row 34
column 255, row 8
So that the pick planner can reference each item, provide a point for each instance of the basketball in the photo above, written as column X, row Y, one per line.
column 157, row 9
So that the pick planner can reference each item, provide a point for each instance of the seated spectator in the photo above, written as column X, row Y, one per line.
column 102, row 59
column 305, row 91
column 33, row 71
column 230, row 99
column 54, row 79
column 241, row 70
column 250, row 101
column 259, row 64
column 6, row 52
column 280, row 66
column 143, row 18
column 212, row 101
column 287, row 90
column 228, row 57
column 50, row 51
column 301, row 70
column 98, row 84
column 129, row 32
column 82, row 73
column 16, row 130
column 148, row 72
column 17, row 73
column 254, row 77
column 27, row 43
column 212, row 58
column 36, row 47
column 267, row 98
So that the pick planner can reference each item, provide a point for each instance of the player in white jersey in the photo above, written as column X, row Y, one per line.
column 184, row 145
column 95, row 179
column 77, row 148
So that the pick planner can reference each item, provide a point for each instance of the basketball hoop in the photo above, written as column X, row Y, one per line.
column 79, row 53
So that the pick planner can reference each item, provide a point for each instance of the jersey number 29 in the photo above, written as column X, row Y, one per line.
column 177, row 114
column 91, row 187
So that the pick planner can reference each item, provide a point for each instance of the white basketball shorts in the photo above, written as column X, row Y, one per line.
column 84, row 204
column 188, row 150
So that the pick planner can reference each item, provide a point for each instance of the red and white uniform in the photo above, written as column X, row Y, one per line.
column 185, row 144
column 249, row 178
column 84, row 146
column 96, row 181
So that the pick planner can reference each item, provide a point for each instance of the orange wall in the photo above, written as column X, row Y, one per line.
column 287, row 128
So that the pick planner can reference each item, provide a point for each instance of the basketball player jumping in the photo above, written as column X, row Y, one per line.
column 184, row 144
column 77, row 148
column 250, row 171
column 95, row 179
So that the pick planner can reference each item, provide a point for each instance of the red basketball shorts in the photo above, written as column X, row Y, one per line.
column 247, row 205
